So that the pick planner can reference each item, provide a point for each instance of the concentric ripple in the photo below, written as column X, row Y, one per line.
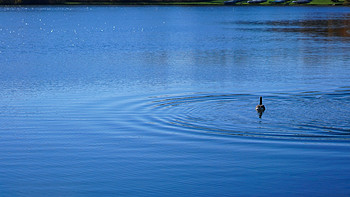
column 306, row 115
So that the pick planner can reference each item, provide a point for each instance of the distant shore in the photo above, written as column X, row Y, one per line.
column 174, row 2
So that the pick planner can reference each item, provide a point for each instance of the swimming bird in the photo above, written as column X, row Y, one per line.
column 260, row 108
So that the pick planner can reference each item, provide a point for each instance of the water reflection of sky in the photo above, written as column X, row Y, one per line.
column 160, row 101
column 119, row 46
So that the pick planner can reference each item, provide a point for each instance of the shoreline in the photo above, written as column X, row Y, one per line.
column 342, row 3
column 178, row 4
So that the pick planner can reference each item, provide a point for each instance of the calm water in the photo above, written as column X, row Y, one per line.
column 159, row 101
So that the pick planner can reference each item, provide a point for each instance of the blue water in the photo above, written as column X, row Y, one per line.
column 160, row 101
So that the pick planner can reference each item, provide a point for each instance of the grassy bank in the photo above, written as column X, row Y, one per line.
column 213, row 2
column 290, row 3
column 165, row 2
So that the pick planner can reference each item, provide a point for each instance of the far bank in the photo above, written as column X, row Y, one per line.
column 181, row 2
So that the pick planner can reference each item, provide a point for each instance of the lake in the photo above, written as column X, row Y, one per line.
column 160, row 101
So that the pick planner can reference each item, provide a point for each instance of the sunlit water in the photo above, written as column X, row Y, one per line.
column 160, row 101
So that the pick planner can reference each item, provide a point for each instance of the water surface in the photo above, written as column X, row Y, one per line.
column 159, row 101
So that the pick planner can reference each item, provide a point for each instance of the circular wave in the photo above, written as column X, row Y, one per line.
column 306, row 115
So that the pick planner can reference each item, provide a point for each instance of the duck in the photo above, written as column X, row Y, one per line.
column 260, row 108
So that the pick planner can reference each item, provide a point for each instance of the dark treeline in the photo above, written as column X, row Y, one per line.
column 19, row 2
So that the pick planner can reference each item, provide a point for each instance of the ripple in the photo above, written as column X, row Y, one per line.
column 308, row 115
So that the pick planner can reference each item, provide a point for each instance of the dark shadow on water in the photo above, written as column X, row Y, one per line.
column 337, row 27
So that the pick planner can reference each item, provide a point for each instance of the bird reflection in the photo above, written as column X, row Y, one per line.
column 260, row 108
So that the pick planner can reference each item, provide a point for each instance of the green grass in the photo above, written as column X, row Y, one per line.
column 214, row 2
column 313, row 2
column 323, row 2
